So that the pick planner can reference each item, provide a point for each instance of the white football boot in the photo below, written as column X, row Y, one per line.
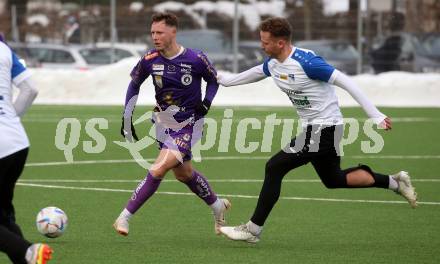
column 121, row 226
column 38, row 254
column 219, row 220
column 405, row 187
column 239, row 233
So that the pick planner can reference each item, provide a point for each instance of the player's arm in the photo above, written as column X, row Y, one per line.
column 318, row 69
column 21, row 79
column 346, row 83
column 209, row 74
column 138, row 76
column 254, row 74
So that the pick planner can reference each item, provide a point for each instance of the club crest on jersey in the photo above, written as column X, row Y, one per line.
column 150, row 56
column 186, row 79
column 158, row 81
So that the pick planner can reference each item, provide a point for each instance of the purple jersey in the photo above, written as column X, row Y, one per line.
column 178, row 81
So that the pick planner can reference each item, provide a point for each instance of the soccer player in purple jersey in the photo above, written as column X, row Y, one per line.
column 177, row 74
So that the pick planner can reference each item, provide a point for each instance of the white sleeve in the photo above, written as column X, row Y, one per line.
column 27, row 95
column 252, row 75
column 345, row 82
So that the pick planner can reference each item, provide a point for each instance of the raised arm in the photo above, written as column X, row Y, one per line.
column 345, row 82
column 254, row 74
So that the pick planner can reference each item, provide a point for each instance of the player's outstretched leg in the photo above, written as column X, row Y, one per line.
column 141, row 194
column 405, row 187
column 199, row 185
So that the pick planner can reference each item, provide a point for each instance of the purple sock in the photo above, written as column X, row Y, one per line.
column 146, row 188
column 200, row 186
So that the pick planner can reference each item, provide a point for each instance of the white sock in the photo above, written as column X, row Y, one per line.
column 254, row 229
column 393, row 184
column 126, row 214
column 217, row 207
column 29, row 253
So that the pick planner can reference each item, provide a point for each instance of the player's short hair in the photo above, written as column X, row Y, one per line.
column 169, row 18
column 278, row 27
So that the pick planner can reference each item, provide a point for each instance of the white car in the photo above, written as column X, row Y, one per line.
column 50, row 55
column 81, row 57
column 101, row 53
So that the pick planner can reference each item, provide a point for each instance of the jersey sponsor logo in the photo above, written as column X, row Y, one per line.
column 283, row 77
column 158, row 73
column 186, row 79
column 158, row 81
column 158, row 67
column 150, row 56
column 301, row 102
column 185, row 68
column 292, row 76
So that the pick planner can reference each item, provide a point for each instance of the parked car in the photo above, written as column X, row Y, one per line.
column 81, row 57
column 339, row 53
column 50, row 55
column 407, row 52
column 212, row 43
column 101, row 53
column 252, row 52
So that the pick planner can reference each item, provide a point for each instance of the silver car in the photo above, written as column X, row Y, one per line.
column 50, row 55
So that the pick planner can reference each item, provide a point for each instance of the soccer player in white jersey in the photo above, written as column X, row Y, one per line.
column 307, row 80
column 14, row 146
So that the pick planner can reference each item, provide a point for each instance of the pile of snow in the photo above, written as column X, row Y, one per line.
column 251, row 13
column 39, row 19
column 107, row 86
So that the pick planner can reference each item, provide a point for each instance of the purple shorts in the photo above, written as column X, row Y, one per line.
column 181, row 140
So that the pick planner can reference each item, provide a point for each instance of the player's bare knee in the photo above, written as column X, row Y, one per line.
column 158, row 172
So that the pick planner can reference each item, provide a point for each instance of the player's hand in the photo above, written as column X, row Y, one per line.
column 203, row 108
column 127, row 130
column 386, row 124
column 219, row 78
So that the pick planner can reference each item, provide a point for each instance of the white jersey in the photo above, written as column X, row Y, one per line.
column 306, row 79
column 12, row 134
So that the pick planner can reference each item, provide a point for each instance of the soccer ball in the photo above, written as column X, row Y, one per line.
column 51, row 222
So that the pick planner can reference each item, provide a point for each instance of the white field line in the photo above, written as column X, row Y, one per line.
column 61, row 163
column 117, row 119
column 223, row 195
column 171, row 180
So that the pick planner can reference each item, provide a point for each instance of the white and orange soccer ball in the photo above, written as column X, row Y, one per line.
column 51, row 222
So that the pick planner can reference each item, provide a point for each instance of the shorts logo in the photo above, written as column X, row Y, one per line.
column 158, row 81
column 186, row 137
column 186, row 79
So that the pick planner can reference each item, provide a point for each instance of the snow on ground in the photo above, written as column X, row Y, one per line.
column 107, row 86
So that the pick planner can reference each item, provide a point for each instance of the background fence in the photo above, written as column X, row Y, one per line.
column 365, row 24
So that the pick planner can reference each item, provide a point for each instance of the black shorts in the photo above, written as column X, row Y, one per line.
column 317, row 144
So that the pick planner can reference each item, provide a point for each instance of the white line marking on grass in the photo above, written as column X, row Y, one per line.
column 115, row 119
column 223, row 195
column 82, row 162
column 165, row 180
